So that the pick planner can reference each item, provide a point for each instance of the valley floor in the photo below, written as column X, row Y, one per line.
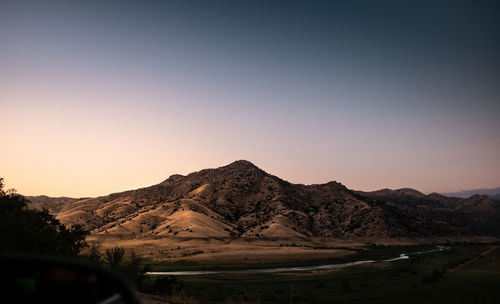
column 210, row 251
column 465, row 273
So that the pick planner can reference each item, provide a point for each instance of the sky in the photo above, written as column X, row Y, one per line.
column 104, row 96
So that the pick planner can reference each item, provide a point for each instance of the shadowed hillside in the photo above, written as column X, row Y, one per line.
column 478, row 214
column 241, row 200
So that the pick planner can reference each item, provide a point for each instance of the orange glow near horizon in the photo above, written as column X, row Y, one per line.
column 58, row 149
column 62, row 147
column 96, row 99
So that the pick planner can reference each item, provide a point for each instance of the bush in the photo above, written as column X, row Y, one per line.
column 26, row 230
column 432, row 277
column 131, row 266
column 168, row 285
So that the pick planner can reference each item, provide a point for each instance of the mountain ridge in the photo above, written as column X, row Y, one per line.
column 492, row 192
column 240, row 200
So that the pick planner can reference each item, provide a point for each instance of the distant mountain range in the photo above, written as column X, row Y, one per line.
column 493, row 192
column 44, row 200
column 241, row 200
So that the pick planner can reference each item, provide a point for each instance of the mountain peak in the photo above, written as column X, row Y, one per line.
column 241, row 200
column 241, row 162
column 409, row 191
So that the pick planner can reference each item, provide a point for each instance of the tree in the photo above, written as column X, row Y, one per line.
column 114, row 257
column 134, row 269
column 94, row 255
column 24, row 230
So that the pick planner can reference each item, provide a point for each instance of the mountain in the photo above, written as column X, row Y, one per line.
column 55, row 203
column 493, row 192
column 242, row 201
column 439, row 214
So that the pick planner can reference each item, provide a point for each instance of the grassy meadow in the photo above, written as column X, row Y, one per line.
column 424, row 278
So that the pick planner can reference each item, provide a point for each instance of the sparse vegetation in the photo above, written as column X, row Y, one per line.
column 265, row 210
column 131, row 265
column 396, row 282
column 241, row 201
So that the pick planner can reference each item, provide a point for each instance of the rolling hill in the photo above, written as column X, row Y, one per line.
column 242, row 201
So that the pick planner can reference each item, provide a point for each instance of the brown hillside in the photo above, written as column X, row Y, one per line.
column 241, row 200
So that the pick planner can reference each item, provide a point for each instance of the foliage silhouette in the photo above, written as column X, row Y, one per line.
column 25, row 230
column 114, row 257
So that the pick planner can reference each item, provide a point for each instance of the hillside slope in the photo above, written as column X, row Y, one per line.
column 475, row 215
column 241, row 200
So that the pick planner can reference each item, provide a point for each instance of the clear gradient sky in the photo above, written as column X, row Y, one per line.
column 103, row 96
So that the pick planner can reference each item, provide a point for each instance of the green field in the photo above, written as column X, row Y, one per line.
column 425, row 278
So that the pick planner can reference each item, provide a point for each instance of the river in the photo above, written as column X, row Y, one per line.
column 402, row 256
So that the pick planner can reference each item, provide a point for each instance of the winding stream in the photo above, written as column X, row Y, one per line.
column 402, row 256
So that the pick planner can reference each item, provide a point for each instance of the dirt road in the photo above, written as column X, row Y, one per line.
column 485, row 253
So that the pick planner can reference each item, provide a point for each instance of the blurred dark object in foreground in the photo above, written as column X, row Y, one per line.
column 34, row 279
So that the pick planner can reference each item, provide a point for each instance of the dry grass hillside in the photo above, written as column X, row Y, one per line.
column 237, row 200
column 242, row 202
